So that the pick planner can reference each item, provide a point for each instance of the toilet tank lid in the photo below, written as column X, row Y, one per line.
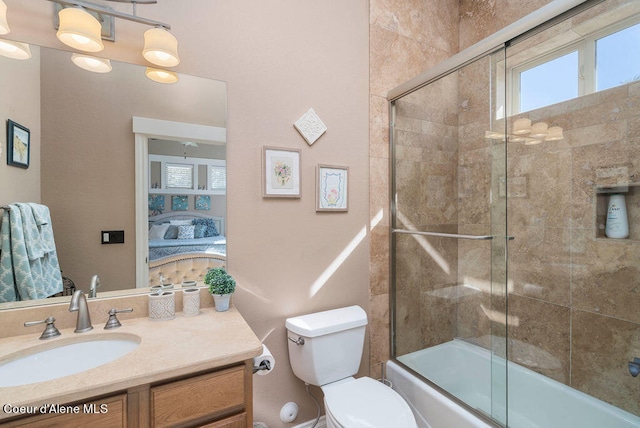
column 321, row 323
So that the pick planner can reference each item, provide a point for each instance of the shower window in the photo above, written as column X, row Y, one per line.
column 549, row 81
column 596, row 62
column 617, row 58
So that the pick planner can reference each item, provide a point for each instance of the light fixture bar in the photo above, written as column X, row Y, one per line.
column 114, row 13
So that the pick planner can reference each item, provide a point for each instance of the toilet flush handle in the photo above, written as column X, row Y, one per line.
column 299, row 341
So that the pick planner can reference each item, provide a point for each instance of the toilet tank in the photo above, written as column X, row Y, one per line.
column 333, row 343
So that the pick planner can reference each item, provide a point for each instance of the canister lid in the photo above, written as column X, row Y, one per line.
column 321, row 323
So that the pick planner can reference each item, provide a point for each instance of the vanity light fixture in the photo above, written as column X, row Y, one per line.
column 161, row 76
column 539, row 130
column 523, row 131
column 14, row 50
column 82, row 30
column 554, row 134
column 522, row 126
column 4, row 25
column 91, row 63
column 531, row 141
column 160, row 47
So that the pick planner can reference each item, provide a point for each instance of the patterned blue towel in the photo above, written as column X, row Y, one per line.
column 29, row 267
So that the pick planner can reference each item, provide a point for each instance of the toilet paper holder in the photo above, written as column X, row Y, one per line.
column 264, row 365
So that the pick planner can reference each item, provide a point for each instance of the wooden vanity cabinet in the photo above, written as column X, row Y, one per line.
column 107, row 412
column 220, row 398
column 202, row 399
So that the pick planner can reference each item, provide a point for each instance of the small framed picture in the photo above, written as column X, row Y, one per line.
column 179, row 202
column 18, row 145
column 202, row 202
column 280, row 173
column 156, row 204
column 332, row 188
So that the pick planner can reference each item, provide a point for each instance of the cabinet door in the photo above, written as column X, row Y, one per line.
column 110, row 412
column 199, row 398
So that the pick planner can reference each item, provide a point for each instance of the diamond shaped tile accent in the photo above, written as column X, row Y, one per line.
column 310, row 126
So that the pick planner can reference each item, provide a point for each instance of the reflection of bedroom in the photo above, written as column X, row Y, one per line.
column 187, row 204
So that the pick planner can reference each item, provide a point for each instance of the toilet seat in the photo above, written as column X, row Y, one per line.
column 366, row 403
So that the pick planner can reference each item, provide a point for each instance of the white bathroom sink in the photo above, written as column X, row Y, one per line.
column 51, row 361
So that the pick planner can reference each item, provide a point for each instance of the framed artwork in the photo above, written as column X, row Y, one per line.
column 332, row 188
column 156, row 204
column 280, row 173
column 179, row 203
column 202, row 202
column 18, row 145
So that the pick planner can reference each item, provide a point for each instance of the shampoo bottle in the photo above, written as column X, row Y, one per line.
column 617, row 223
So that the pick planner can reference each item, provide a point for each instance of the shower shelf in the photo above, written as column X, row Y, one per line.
column 601, row 198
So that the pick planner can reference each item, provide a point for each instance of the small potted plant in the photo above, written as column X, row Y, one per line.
column 221, row 286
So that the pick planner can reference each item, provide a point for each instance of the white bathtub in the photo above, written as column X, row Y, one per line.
column 464, row 369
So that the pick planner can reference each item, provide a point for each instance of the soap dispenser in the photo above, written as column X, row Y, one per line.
column 617, row 225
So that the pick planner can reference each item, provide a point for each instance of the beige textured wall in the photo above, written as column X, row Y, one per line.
column 279, row 59
column 19, row 184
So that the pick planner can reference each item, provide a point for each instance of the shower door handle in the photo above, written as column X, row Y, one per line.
column 445, row 235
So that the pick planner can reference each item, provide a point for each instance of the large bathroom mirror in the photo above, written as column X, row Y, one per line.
column 83, row 157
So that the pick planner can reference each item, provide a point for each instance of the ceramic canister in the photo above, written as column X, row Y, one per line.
column 162, row 306
column 191, row 302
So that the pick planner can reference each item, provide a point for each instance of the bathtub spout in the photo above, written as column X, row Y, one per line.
column 634, row 367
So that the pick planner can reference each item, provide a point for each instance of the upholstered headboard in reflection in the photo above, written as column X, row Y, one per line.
column 183, row 267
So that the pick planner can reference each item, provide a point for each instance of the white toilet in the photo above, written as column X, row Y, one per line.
column 325, row 349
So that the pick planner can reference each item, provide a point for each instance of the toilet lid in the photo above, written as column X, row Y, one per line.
column 368, row 403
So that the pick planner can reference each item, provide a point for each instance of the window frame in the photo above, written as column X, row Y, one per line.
column 586, row 48
column 163, row 160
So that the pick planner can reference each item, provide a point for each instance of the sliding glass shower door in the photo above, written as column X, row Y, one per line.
column 449, row 234
column 516, row 224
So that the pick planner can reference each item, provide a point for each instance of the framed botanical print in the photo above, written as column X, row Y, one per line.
column 280, row 173
column 332, row 188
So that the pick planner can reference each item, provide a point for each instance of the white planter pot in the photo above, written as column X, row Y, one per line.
column 221, row 301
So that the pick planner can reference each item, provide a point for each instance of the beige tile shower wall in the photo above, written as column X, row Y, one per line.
column 405, row 38
column 426, row 183
column 478, row 313
column 573, row 298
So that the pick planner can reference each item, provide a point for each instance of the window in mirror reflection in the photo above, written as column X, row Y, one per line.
column 179, row 176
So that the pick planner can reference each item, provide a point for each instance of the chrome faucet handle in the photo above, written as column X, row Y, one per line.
column 113, row 321
column 50, row 331
column 93, row 287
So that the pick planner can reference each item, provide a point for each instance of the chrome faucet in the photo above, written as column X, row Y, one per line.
column 79, row 304
column 93, row 288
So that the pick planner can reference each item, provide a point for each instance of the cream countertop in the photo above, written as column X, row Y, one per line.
column 167, row 349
